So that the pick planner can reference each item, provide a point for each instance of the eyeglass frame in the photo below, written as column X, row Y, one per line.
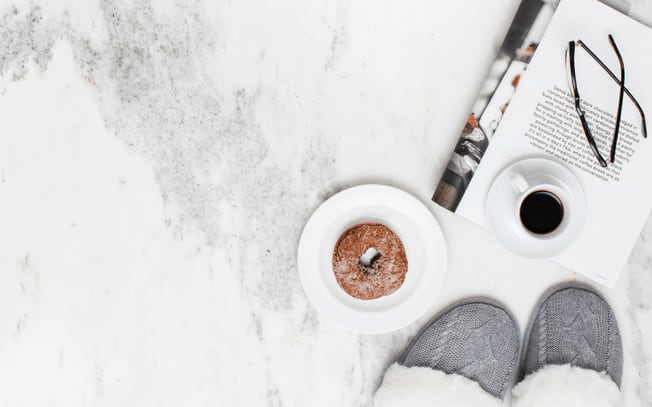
column 570, row 66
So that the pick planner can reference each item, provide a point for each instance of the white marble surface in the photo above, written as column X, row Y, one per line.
column 158, row 161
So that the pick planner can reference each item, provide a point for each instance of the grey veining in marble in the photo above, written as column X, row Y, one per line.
column 158, row 161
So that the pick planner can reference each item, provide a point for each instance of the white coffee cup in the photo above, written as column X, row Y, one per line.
column 514, row 185
column 525, row 189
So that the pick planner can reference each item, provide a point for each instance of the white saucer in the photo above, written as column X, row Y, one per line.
column 424, row 246
column 503, row 202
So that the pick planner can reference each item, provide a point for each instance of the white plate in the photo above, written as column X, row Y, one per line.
column 424, row 246
column 503, row 203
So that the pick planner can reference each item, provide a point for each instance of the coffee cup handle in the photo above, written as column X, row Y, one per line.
column 519, row 183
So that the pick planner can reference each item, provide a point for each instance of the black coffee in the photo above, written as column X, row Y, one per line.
column 541, row 212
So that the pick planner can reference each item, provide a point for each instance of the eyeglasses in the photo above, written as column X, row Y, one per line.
column 570, row 66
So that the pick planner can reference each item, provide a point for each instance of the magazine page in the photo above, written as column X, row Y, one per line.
column 542, row 121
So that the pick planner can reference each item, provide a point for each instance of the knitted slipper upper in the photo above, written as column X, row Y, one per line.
column 574, row 326
column 476, row 340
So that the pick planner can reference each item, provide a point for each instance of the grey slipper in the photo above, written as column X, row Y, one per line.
column 573, row 325
column 478, row 340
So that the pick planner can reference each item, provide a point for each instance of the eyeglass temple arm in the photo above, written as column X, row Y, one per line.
column 570, row 56
column 615, row 78
column 590, row 139
column 619, row 113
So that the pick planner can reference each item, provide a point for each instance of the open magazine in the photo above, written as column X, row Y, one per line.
column 525, row 108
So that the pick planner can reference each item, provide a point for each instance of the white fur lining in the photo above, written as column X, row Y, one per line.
column 424, row 387
column 567, row 386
